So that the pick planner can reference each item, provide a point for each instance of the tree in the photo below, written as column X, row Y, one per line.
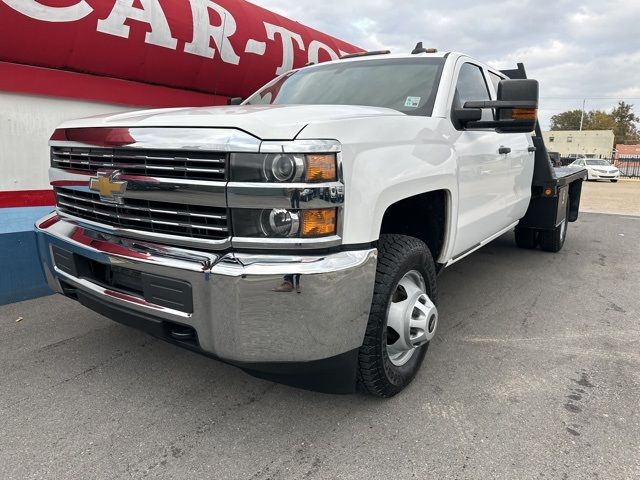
column 626, row 130
column 599, row 120
column 567, row 120
column 621, row 120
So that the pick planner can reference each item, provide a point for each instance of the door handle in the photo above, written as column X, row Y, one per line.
column 531, row 149
column 504, row 150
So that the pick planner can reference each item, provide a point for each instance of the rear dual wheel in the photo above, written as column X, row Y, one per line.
column 549, row 240
column 403, row 317
column 526, row 237
column 553, row 240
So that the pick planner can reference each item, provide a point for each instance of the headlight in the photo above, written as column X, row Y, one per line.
column 283, row 167
column 279, row 222
column 283, row 223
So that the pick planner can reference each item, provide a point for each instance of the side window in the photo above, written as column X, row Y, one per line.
column 471, row 86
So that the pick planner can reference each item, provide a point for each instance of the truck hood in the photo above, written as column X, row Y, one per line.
column 267, row 122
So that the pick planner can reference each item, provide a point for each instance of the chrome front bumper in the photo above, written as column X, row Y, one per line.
column 239, row 310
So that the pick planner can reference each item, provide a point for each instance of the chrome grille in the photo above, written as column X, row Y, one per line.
column 145, row 215
column 185, row 164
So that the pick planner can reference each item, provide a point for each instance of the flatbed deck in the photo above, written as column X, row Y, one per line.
column 569, row 174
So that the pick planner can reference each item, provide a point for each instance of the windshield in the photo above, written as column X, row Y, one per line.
column 407, row 85
column 598, row 162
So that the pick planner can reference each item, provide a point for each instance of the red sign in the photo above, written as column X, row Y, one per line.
column 222, row 47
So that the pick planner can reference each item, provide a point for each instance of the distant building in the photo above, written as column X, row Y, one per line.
column 585, row 143
column 627, row 159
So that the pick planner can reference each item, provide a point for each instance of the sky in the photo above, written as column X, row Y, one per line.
column 578, row 50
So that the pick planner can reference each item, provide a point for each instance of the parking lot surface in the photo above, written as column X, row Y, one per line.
column 534, row 373
column 621, row 198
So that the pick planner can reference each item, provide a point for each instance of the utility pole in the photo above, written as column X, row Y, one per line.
column 582, row 115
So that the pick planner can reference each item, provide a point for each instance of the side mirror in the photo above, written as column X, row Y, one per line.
column 234, row 101
column 516, row 108
column 463, row 116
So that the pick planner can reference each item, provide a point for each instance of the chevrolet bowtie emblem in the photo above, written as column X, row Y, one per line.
column 107, row 185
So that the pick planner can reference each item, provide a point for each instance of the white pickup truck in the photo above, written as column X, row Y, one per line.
column 299, row 235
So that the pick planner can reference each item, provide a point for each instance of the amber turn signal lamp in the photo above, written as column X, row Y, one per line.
column 318, row 223
column 524, row 113
column 321, row 168
column 548, row 192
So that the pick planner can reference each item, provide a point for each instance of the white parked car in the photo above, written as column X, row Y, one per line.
column 598, row 169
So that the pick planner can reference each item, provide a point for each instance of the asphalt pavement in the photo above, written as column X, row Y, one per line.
column 534, row 373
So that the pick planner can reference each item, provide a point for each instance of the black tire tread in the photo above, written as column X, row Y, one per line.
column 526, row 238
column 550, row 240
column 392, row 249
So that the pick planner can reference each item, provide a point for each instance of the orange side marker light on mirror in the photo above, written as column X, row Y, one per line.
column 524, row 113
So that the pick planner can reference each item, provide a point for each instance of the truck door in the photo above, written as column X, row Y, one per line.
column 520, row 164
column 487, row 185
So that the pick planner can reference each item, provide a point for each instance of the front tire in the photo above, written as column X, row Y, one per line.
column 403, row 316
column 614, row 180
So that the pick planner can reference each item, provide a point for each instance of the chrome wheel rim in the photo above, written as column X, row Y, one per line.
column 412, row 318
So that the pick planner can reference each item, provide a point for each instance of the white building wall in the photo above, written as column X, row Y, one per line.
column 26, row 124
column 588, row 143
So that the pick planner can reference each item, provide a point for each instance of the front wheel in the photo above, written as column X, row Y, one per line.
column 614, row 180
column 403, row 317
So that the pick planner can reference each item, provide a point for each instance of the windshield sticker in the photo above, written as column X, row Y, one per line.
column 412, row 102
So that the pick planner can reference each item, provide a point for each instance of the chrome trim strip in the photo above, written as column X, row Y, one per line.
column 158, row 189
column 235, row 264
column 128, row 249
column 286, row 243
column 93, row 161
column 142, row 219
column 131, row 301
column 60, row 192
column 149, row 236
column 174, row 138
column 147, row 167
column 129, row 157
column 274, row 195
column 469, row 251
column 301, row 146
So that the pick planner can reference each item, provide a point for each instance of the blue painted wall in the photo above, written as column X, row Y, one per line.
column 21, row 277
